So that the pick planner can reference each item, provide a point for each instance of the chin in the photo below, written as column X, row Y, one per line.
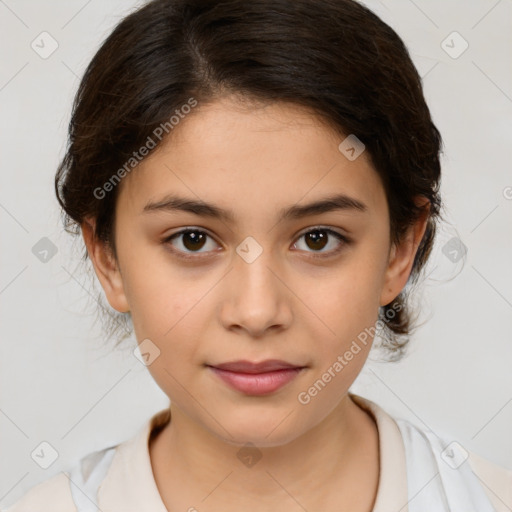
column 262, row 430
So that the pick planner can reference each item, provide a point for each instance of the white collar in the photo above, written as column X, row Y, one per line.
column 130, row 485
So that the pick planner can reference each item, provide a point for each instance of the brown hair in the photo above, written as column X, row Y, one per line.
column 334, row 57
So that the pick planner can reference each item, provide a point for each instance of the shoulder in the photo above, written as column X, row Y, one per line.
column 109, row 473
column 65, row 491
column 51, row 495
column 436, row 465
column 458, row 467
column 497, row 481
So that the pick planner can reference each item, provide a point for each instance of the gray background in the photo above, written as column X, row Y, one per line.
column 61, row 383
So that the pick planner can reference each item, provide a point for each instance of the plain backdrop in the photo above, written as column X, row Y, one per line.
column 60, row 382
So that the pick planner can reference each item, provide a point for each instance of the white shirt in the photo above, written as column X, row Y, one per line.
column 419, row 471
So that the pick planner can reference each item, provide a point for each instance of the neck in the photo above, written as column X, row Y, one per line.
column 191, row 464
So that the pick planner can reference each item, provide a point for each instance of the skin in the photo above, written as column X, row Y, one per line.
column 286, row 304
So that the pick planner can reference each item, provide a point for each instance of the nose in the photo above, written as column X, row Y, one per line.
column 256, row 298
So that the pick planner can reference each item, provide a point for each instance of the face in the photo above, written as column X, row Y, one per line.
column 269, row 280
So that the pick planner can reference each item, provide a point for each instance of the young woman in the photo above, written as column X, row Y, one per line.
column 257, row 184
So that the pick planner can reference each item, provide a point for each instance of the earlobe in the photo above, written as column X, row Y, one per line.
column 105, row 267
column 402, row 257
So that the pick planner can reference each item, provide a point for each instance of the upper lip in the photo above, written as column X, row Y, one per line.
column 249, row 367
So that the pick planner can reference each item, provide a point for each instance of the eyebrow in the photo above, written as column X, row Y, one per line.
column 172, row 203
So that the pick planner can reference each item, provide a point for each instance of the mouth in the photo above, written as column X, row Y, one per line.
column 256, row 378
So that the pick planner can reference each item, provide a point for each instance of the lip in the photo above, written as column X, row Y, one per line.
column 256, row 378
column 243, row 366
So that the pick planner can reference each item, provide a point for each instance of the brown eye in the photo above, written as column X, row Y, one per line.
column 193, row 240
column 189, row 241
column 317, row 239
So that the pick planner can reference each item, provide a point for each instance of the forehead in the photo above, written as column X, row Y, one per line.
column 251, row 159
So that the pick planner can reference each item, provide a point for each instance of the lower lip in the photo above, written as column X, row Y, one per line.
column 257, row 383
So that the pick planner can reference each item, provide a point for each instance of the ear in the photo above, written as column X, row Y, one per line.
column 105, row 266
column 402, row 256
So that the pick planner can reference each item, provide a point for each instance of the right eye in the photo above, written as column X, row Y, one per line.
column 189, row 239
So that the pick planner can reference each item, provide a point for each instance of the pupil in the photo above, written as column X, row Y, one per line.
column 193, row 240
column 197, row 240
column 318, row 238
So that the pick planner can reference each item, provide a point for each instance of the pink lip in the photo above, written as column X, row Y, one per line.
column 243, row 366
column 256, row 378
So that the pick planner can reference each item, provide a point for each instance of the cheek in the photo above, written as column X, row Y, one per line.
column 346, row 300
column 168, row 312
column 170, row 306
column 153, row 287
column 163, row 306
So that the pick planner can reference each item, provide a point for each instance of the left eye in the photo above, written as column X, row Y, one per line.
column 318, row 238
column 192, row 240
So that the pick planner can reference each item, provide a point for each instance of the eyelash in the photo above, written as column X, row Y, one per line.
column 345, row 241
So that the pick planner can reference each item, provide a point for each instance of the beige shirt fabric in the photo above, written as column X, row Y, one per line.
column 129, row 485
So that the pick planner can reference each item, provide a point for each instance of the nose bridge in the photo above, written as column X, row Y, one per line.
column 256, row 298
column 253, row 265
column 252, row 268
